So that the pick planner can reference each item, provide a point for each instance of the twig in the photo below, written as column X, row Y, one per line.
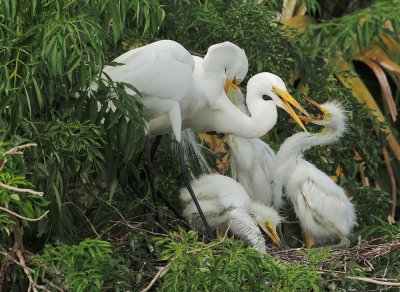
column 364, row 279
column 84, row 216
column 18, row 149
column 7, row 255
column 158, row 275
column 19, row 190
column 389, row 167
column 23, row 217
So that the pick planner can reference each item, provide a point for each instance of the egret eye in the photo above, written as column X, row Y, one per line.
column 265, row 97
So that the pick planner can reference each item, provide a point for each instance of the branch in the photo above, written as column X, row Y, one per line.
column 157, row 276
column 84, row 216
column 364, row 279
column 18, row 149
column 23, row 217
column 19, row 190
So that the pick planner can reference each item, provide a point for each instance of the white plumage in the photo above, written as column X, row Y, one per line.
column 321, row 205
column 225, row 201
column 253, row 165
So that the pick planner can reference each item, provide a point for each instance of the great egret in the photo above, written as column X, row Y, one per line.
column 253, row 164
column 225, row 201
column 321, row 205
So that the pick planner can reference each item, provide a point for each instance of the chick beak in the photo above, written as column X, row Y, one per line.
column 287, row 101
column 320, row 111
column 229, row 84
column 270, row 230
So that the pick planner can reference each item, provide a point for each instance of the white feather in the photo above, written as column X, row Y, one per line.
column 321, row 205
column 223, row 200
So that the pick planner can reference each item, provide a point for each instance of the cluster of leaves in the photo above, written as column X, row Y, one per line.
column 228, row 266
column 356, row 31
column 89, row 266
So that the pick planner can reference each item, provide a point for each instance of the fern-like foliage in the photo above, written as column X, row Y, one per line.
column 89, row 266
column 354, row 32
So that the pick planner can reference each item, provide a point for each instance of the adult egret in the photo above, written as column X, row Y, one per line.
column 225, row 202
column 321, row 205
column 253, row 165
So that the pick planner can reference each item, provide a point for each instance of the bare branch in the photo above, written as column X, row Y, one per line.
column 18, row 149
column 382, row 282
column 23, row 217
column 158, row 275
column 19, row 190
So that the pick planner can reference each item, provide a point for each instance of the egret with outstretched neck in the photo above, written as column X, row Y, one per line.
column 323, row 207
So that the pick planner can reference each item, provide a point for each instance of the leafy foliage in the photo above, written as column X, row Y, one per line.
column 227, row 266
column 89, row 266
column 90, row 161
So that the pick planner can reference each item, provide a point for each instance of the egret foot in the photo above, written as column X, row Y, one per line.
column 186, row 182
column 309, row 240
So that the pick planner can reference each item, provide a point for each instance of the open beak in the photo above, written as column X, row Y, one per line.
column 270, row 230
column 320, row 111
column 287, row 101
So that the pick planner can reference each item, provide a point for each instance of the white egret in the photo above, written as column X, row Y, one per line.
column 173, row 99
column 322, row 206
column 253, row 164
column 225, row 202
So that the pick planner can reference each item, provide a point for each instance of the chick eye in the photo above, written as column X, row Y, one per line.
column 265, row 97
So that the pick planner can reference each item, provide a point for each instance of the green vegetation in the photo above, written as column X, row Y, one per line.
column 95, row 227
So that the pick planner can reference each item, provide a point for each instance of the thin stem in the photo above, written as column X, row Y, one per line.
column 23, row 217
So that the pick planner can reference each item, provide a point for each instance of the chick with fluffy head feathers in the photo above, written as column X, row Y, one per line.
column 321, row 205
column 225, row 201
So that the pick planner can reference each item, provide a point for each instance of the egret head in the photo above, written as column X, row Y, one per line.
column 236, row 70
column 268, row 219
column 271, row 86
column 329, row 114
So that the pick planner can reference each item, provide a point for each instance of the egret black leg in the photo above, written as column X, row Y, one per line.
column 186, row 182
column 154, row 147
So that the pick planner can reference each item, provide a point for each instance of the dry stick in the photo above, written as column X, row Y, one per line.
column 7, row 255
column 84, row 216
column 23, row 217
column 17, row 149
column 158, row 275
column 393, row 185
column 19, row 190
column 17, row 249
column 364, row 279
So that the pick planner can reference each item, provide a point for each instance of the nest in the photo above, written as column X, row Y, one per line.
column 362, row 253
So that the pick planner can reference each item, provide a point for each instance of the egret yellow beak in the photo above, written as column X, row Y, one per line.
column 321, row 112
column 287, row 101
column 270, row 230
column 231, row 84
